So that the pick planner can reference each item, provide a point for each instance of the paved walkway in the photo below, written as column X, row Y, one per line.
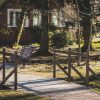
column 56, row 89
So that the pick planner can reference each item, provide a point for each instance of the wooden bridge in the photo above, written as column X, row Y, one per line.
column 71, row 67
column 56, row 64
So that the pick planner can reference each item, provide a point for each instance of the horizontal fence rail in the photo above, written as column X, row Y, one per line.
column 69, row 54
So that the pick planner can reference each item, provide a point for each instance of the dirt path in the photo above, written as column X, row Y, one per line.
column 56, row 89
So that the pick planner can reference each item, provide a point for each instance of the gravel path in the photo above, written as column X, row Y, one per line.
column 56, row 89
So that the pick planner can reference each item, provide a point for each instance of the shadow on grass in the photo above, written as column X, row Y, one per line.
column 16, row 95
column 93, row 81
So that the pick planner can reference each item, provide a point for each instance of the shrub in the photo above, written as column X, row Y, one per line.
column 59, row 39
column 71, row 38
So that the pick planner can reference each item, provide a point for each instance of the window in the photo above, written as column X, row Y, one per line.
column 57, row 19
column 36, row 18
column 54, row 20
column 12, row 18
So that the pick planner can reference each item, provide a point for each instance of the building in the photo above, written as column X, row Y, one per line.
column 9, row 18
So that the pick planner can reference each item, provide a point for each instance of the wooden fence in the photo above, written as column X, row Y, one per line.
column 3, row 68
column 71, row 67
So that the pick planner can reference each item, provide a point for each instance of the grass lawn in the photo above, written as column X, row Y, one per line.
column 46, row 69
column 96, row 90
column 96, row 85
column 96, row 45
column 18, row 95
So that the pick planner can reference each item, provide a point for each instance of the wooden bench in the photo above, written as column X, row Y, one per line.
column 24, row 54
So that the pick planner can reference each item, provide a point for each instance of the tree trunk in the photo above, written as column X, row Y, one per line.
column 44, row 44
column 86, row 33
column 87, row 25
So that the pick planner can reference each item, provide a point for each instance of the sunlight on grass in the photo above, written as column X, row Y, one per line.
column 46, row 70
column 96, row 90
column 95, row 84
column 96, row 45
column 18, row 95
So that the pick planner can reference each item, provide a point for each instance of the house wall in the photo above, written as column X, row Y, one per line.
column 11, row 37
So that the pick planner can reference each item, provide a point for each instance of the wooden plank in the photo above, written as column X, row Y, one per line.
column 72, row 52
column 7, row 53
column 1, row 67
column 87, row 68
column 69, row 64
column 26, row 52
column 0, row 52
column 61, row 55
column 54, row 63
column 77, row 53
column 77, row 72
column 94, row 74
column 4, row 59
column 8, row 76
column 14, row 71
column 62, row 69
column 15, row 74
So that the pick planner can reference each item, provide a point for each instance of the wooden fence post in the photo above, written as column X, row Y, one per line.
column 69, row 64
column 4, row 63
column 87, row 68
column 15, row 74
column 54, row 63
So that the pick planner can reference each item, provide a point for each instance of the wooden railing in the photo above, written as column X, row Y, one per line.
column 70, row 66
column 3, row 68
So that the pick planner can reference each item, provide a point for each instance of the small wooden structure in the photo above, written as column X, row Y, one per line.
column 14, row 71
column 21, row 56
column 24, row 54
column 71, row 67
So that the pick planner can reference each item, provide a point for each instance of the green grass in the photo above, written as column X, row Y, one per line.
column 38, row 69
column 18, row 95
column 95, row 84
column 96, row 90
column 96, row 45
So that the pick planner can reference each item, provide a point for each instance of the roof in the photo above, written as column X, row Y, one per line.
column 98, row 19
